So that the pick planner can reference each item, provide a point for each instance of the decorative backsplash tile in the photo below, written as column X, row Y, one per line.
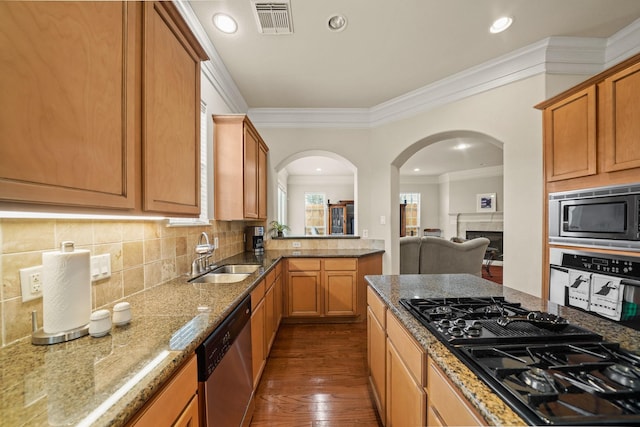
column 143, row 254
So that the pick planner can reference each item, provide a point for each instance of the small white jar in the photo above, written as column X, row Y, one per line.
column 100, row 323
column 121, row 313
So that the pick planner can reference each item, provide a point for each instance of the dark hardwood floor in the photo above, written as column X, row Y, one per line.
column 316, row 376
column 496, row 274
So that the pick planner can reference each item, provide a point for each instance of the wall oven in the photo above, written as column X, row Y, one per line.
column 607, row 285
column 600, row 217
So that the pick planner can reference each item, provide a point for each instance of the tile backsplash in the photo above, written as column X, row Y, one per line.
column 143, row 253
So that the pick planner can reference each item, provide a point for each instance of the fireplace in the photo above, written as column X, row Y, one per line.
column 495, row 238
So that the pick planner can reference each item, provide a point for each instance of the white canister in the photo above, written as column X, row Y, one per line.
column 121, row 313
column 100, row 323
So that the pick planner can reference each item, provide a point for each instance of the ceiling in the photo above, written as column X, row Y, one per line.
column 391, row 48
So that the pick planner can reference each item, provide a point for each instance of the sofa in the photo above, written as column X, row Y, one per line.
column 435, row 255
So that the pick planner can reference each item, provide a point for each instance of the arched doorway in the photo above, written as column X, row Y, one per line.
column 323, row 174
column 447, row 172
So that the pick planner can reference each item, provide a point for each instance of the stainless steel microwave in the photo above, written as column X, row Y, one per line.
column 604, row 215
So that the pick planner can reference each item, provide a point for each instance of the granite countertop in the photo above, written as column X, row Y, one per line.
column 105, row 381
column 488, row 404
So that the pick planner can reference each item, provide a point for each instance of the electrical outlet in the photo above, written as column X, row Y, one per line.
column 31, row 283
column 365, row 233
column 215, row 243
column 296, row 244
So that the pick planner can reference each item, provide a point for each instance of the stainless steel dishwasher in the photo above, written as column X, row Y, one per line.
column 225, row 371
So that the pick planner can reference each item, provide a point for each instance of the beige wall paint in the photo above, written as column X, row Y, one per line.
column 505, row 114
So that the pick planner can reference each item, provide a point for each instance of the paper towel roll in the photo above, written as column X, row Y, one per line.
column 66, row 289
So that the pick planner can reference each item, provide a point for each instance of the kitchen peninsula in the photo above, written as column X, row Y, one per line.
column 424, row 359
column 107, row 381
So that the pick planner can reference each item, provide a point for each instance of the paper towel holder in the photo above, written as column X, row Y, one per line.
column 40, row 337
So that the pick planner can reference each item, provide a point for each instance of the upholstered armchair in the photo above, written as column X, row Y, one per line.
column 410, row 255
column 441, row 256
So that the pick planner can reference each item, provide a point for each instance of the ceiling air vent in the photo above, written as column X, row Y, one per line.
column 273, row 17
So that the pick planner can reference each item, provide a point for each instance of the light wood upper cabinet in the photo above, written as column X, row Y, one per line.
column 67, row 116
column 570, row 136
column 591, row 131
column 621, row 119
column 171, row 113
column 240, row 169
column 100, row 108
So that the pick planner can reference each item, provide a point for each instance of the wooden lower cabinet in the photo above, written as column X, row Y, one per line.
column 258, row 320
column 266, row 313
column 447, row 407
column 327, row 287
column 377, row 350
column 176, row 404
column 406, row 397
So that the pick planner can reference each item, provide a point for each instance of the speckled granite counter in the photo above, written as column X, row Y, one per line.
column 490, row 406
column 104, row 381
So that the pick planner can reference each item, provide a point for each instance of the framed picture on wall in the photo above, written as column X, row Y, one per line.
column 486, row 202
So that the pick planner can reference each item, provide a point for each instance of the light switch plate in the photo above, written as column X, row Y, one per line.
column 100, row 267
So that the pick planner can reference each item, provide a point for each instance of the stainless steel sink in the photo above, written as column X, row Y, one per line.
column 236, row 268
column 220, row 278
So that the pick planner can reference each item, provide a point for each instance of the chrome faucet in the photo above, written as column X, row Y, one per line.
column 202, row 263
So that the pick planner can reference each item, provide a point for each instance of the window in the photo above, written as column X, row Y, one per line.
column 315, row 218
column 412, row 212
column 282, row 204
column 204, row 213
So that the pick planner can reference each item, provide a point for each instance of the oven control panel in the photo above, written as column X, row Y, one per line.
column 605, row 265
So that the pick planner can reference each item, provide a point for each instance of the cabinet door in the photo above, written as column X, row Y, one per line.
column 621, row 113
column 270, row 319
column 304, row 294
column 68, row 109
column 250, row 173
column 570, row 136
column 262, row 181
column 406, row 400
column 278, row 299
column 171, row 116
column 257, row 341
column 376, row 356
column 340, row 293
column 190, row 416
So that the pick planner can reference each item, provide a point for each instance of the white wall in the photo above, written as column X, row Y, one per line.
column 505, row 114
column 429, row 198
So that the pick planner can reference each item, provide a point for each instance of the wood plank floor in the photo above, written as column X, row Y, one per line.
column 316, row 376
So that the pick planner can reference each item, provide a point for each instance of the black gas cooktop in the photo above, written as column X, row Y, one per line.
column 547, row 370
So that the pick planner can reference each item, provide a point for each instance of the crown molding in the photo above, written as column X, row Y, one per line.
column 554, row 55
column 214, row 70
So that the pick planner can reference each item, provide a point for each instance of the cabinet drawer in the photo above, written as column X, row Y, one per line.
column 452, row 408
column 412, row 355
column 168, row 404
column 257, row 294
column 304, row 264
column 271, row 278
column 378, row 308
column 278, row 268
column 348, row 264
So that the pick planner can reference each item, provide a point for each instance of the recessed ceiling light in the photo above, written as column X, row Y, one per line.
column 337, row 22
column 500, row 24
column 225, row 23
column 416, row 170
column 318, row 169
column 461, row 146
